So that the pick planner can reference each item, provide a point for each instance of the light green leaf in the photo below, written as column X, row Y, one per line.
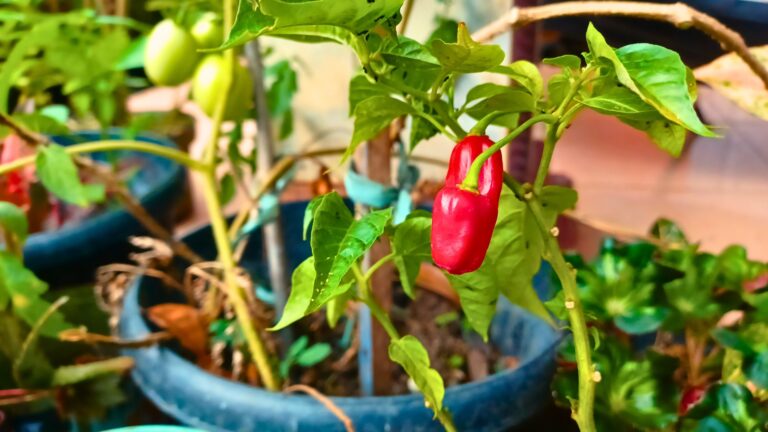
column 337, row 306
column 623, row 103
column 313, row 355
column 372, row 115
column 302, row 287
column 42, row 123
column 361, row 88
column 567, row 61
column 526, row 74
column 466, row 55
column 513, row 258
column 357, row 239
column 59, row 175
column 411, row 245
column 409, row 353
column 669, row 136
column 69, row 375
column 557, row 199
column 14, row 222
column 663, row 82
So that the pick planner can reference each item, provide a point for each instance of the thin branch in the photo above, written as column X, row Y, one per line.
column 82, row 335
column 134, row 207
column 678, row 14
column 326, row 401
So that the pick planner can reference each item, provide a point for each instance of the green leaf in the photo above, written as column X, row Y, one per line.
column 557, row 199
column 42, row 123
column 406, row 53
column 642, row 320
column 663, row 81
column 756, row 369
column 313, row 355
column 133, row 56
column 512, row 101
column 622, row 102
column 227, row 189
column 654, row 73
column 567, row 61
column 411, row 245
column 357, row 239
column 466, row 55
column 409, row 353
column 337, row 307
column 59, row 175
column 320, row 19
column 373, row 115
column 69, row 375
column 361, row 88
column 282, row 89
column 14, row 222
column 526, row 74
column 513, row 258
column 669, row 136
column 445, row 30
column 302, row 288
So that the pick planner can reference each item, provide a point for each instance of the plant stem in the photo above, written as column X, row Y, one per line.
column 473, row 175
column 100, row 146
column 546, row 158
column 385, row 259
column 219, row 227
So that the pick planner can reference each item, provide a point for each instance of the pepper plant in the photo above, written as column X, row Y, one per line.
column 505, row 231
column 646, row 86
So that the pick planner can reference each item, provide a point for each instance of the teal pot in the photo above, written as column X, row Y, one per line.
column 199, row 399
column 71, row 255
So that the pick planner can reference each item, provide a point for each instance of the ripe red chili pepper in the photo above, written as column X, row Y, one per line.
column 463, row 220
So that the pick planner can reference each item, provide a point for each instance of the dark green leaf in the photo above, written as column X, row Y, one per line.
column 409, row 353
column 302, row 288
column 756, row 369
column 42, row 123
column 466, row 55
column 411, row 245
column 227, row 189
column 642, row 320
column 59, row 175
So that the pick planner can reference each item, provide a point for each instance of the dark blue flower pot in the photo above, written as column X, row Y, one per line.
column 71, row 255
column 199, row 399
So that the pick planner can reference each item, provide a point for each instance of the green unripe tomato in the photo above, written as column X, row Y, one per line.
column 207, row 31
column 207, row 88
column 171, row 54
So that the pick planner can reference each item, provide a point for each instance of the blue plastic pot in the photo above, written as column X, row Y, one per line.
column 72, row 254
column 199, row 399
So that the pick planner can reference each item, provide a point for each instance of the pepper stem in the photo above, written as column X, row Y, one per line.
column 473, row 175
column 486, row 121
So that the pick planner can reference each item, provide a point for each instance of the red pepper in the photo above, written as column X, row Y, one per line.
column 463, row 220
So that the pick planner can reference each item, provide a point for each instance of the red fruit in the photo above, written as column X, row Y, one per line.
column 691, row 397
column 462, row 220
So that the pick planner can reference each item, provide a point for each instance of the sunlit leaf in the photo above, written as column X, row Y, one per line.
column 409, row 353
